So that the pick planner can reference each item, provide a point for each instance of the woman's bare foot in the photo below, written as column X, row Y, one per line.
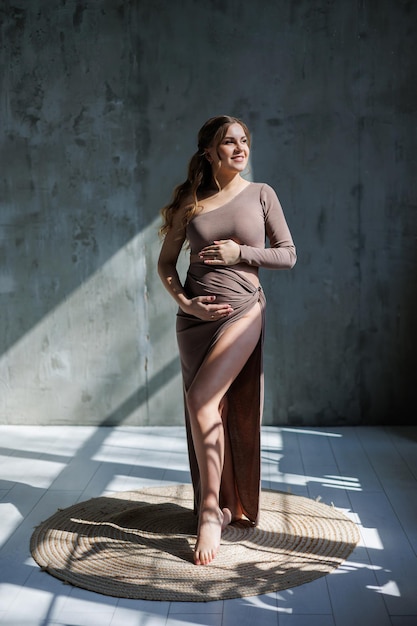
column 232, row 514
column 227, row 517
column 210, row 526
column 212, row 523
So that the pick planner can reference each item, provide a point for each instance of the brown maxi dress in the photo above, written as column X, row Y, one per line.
column 251, row 216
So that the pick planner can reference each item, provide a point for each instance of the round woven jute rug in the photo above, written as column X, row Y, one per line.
column 139, row 544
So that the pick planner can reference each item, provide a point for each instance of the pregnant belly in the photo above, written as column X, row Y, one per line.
column 227, row 283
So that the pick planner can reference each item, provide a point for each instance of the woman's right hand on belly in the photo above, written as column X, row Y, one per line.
column 204, row 308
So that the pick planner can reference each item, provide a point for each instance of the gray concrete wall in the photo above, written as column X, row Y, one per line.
column 100, row 105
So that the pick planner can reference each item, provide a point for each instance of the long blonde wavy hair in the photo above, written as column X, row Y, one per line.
column 200, row 174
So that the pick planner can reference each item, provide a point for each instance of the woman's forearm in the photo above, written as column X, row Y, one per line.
column 171, row 281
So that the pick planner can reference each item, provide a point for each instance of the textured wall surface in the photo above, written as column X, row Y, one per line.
column 100, row 103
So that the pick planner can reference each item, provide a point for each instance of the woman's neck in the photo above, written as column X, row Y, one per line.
column 228, row 183
column 225, row 189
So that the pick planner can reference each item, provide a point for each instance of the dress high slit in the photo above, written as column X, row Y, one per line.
column 196, row 338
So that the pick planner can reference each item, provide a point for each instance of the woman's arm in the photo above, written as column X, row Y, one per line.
column 167, row 262
column 202, row 307
column 281, row 254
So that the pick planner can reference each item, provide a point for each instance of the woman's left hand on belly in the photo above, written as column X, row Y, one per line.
column 222, row 252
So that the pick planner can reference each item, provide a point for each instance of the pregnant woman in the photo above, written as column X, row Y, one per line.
column 224, row 220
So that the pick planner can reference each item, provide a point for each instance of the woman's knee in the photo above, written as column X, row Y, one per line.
column 203, row 410
column 195, row 402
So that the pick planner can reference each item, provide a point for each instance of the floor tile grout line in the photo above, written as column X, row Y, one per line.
column 393, row 511
column 353, row 433
column 387, row 495
column 388, row 431
column 25, row 517
column 383, row 490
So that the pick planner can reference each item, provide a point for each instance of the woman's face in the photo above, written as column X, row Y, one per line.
column 232, row 153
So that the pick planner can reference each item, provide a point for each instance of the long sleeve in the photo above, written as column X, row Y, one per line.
column 281, row 254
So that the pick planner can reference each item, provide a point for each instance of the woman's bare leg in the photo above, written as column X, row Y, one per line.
column 204, row 397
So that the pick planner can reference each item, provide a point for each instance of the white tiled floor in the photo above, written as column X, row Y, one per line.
column 369, row 473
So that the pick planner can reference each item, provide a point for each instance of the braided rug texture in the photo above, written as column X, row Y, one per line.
column 139, row 544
